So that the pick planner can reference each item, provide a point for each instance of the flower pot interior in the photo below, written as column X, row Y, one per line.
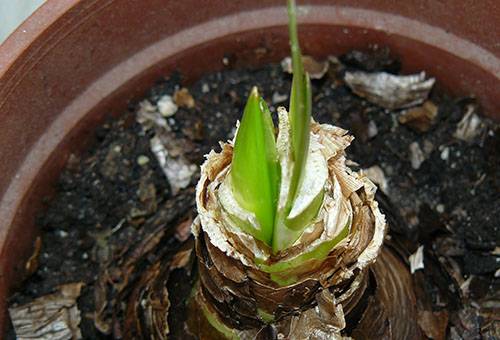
column 70, row 65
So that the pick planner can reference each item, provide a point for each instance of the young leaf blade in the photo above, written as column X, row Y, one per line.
column 300, row 107
column 255, row 170
column 286, row 231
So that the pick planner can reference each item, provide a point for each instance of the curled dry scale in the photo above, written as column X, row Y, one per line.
column 289, row 241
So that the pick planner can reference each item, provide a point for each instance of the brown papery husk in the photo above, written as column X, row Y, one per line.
column 345, row 293
column 381, row 304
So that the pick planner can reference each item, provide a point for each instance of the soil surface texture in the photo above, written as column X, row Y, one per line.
column 115, row 214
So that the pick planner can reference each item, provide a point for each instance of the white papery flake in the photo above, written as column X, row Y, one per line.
column 417, row 260
column 388, row 90
column 177, row 170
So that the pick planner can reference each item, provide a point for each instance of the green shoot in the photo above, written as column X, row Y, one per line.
column 286, row 231
column 255, row 168
column 300, row 107
column 255, row 174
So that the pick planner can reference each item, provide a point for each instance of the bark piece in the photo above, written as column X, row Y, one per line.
column 132, row 298
column 54, row 316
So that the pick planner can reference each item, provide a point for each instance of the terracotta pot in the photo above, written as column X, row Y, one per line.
column 74, row 61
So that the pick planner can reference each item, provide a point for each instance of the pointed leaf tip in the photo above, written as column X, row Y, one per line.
column 254, row 173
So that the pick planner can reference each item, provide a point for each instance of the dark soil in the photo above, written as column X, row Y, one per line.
column 106, row 201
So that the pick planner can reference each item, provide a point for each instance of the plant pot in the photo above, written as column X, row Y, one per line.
column 72, row 62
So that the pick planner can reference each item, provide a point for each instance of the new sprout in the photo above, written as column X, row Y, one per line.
column 255, row 174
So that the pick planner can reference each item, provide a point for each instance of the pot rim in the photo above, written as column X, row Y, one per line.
column 20, row 40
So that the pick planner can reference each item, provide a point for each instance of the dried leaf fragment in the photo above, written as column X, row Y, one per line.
column 470, row 126
column 420, row 118
column 177, row 169
column 279, row 98
column 149, row 116
column 169, row 152
column 32, row 263
column 316, row 69
column 388, row 90
column 183, row 98
column 377, row 176
column 54, row 316
column 417, row 260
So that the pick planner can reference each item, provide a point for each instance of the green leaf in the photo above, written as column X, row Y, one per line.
column 214, row 320
column 300, row 120
column 300, row 106
column 287, row 231
column 279, row 270
column 304, row 219
column 255, row 169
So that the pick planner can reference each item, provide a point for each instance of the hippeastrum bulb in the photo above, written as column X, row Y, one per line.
column 334, row 249
column 283, row 224
column 320, row 219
